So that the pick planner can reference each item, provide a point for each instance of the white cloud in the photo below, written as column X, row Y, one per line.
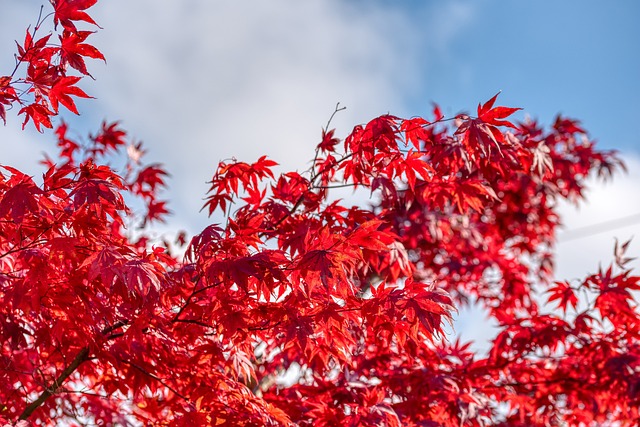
column 204, row 81
column 606, row 201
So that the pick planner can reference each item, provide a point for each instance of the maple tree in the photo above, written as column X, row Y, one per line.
column 103, row 324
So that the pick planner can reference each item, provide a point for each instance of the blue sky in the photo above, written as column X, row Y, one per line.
column 580, row 58
column 199, row 81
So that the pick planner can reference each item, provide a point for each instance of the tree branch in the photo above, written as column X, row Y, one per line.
column 81, row 357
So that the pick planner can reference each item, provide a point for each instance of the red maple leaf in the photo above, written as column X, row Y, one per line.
column 329, row 141
column 150, row 179
column 156, row 211
column 7, row 96
column 73, row 51
column 67, row 11
column 482, row 133
column 353, row 297
column 110, row 137
column 494, row 115
column 31, row 51
column 61, row 93
column 39, row 113
column 21, row 198
column 563, row 293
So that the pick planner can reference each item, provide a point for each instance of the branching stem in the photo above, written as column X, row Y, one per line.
column 81, row 357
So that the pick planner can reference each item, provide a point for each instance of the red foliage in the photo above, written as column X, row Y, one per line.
column 47, row 81
column 102, row 324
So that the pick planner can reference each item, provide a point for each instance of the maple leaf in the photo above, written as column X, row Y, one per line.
column 494, row 115
column 67, row 11
column 564, row 294
column 319, row 264
column 254, row 196
column 542, row 161
column 149, row 180
column 564, row 125
column 437, row 113
column 67, row 146
column 367, row 235
column 61, row 91
column 33, row 51
column 39, row 113
column 415, row 131
column 21, row 198
column 413, row 166
column 290, row 187
column 480, row 134
column 7, row 96
column 73, row 50
column 329, row 141
column 110, row 137
column 41, row 77
column 140, row 277
column 619, row 253
column 99, row 187
column 156, row 211
column 353, row 298
column 98, row 196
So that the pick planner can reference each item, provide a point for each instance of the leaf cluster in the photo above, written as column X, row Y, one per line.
column 300, row 309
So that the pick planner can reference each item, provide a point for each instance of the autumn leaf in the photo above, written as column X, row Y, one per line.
column 299, row 305
column 563, row 293
column 149, row 180
column 32, row 51
column 415, row 131
column 68, row 11
column 156, row 211
column 495, row 115
column 329, row 141
column 8, row 95
column 542, row 161
column 73, row 50
column 21, row 198
column 61, row 91
column 39, row 114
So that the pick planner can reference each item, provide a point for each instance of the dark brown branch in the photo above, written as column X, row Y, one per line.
column 192, row 321
column 117, row 325
column 193, row 294
column 265, row 327
column 81, row 357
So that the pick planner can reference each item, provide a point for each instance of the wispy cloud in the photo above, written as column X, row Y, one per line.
column 606, row 201
column 205, row 81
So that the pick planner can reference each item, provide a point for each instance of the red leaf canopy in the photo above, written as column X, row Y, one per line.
column 106, row 322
